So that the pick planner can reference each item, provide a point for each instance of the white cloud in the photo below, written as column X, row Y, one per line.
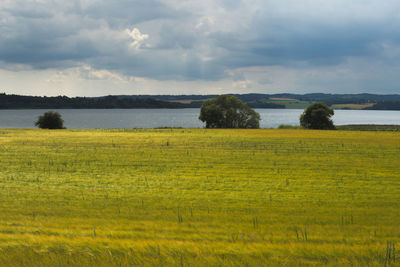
column 242, row 84
column 137, row 37
column 87, row 72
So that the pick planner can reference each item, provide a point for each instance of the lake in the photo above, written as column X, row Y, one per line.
column 187, row 118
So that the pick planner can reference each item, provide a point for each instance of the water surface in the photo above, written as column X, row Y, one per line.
column 187, row 118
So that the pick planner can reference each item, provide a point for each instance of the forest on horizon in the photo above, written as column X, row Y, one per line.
column 285, row 100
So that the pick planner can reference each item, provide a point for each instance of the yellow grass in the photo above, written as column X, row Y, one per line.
column 190, row 197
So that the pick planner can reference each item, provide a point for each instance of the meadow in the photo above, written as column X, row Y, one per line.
column 290, row 103
column 198, row 197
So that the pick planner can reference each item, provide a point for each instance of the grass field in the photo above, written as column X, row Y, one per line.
column 352, row 106
column 192, row 197
column 290, row 103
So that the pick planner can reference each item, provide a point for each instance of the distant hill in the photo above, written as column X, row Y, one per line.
column 284, row 100
column 63, row 102
column 386, row 105
column 304, row 97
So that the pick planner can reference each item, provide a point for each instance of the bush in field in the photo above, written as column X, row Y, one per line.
column 50, row 120
column 228, row 112
column 317, row 116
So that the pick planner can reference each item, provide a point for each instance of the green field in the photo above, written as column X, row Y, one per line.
column 197, row 197
column 352, row 106
column 290, row 103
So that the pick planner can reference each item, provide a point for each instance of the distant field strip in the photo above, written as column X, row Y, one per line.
column 195, row 197
column 290, row 103
column 353, row 106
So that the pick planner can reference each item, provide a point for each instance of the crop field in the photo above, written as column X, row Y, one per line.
column 290, row 103
column 352, row 106
column 197, row 197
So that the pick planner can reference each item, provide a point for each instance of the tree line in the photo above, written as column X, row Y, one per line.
column 64, row 102
column 380, row 102
column 104, row 102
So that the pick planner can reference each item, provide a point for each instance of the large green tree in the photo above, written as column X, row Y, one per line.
column 228, row 111
column 317, row 116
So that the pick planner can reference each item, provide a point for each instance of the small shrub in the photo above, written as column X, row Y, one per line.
column 50, row 120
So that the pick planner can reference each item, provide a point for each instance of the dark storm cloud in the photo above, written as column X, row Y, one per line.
column 286, row 44
column 128, row 12
column 188, row 40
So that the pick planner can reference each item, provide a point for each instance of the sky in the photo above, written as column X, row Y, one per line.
column 112, row 47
